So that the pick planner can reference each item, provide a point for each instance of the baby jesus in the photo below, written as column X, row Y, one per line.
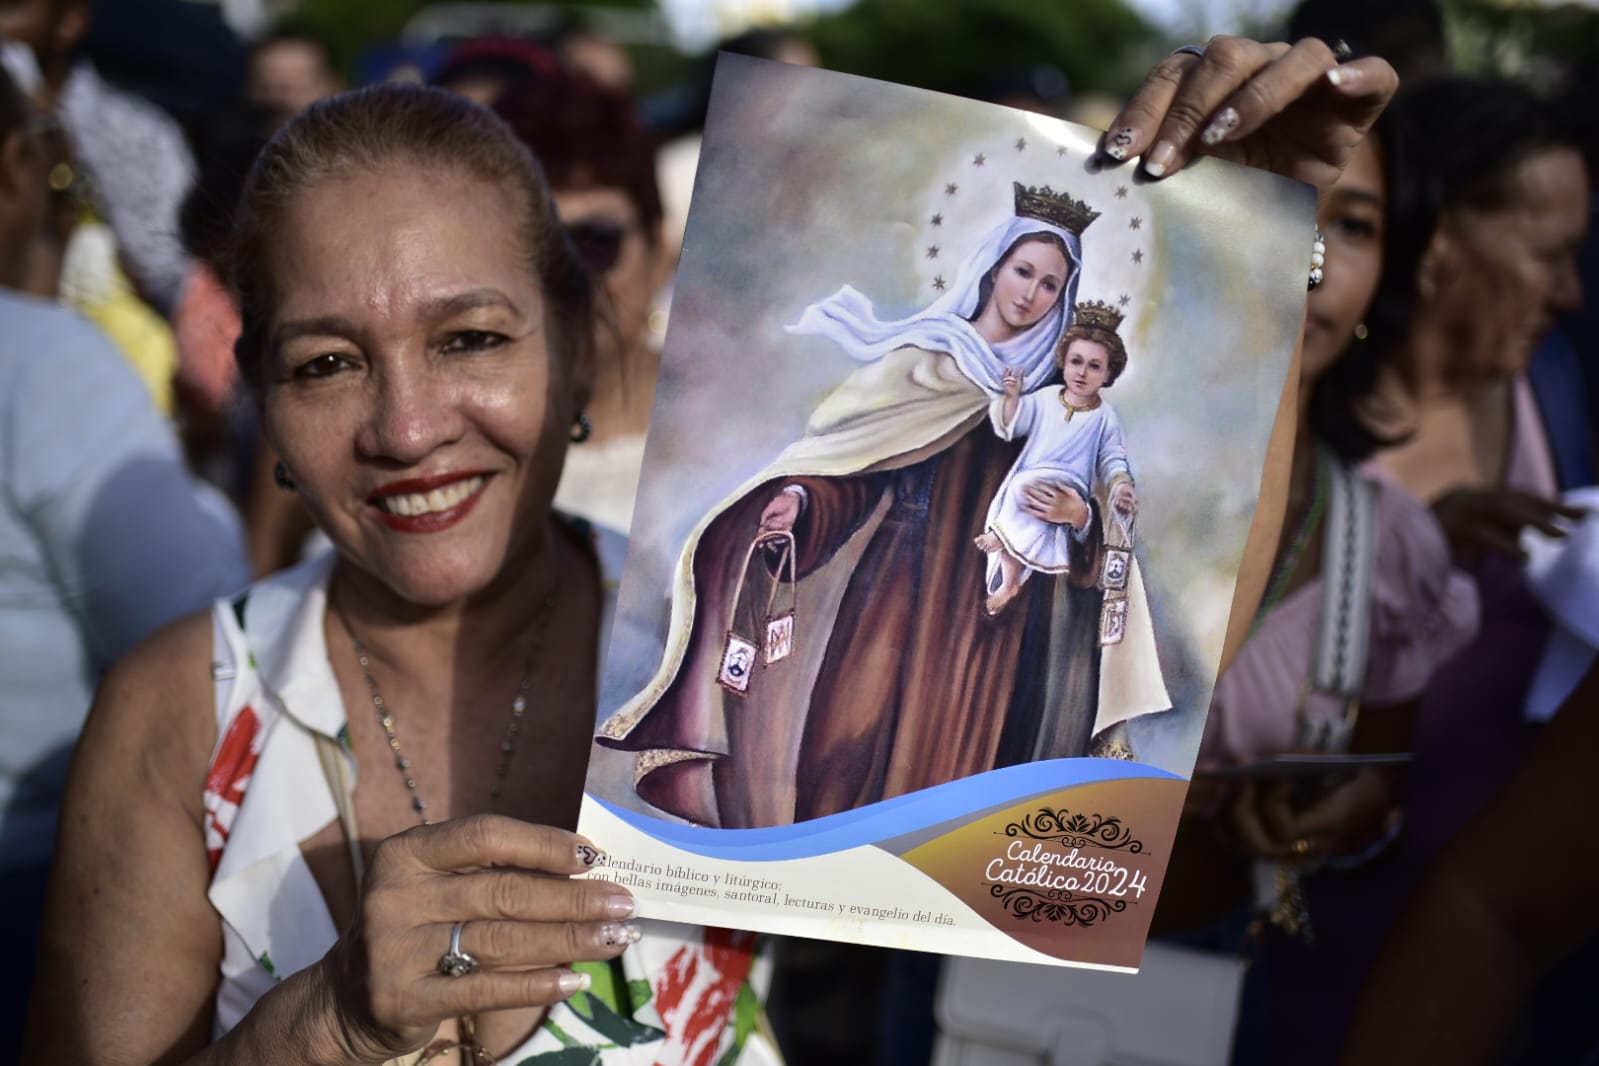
column 1074, row 443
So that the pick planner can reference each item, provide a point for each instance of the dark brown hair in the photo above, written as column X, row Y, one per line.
column 366, row 131
column 1115, row 351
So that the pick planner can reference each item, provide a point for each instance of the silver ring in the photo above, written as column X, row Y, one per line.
column 1189, row 49
column 455, row 962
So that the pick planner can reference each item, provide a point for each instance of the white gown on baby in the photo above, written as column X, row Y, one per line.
column 1085, row 451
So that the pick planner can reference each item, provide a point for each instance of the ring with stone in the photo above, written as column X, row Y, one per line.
column 455, row 962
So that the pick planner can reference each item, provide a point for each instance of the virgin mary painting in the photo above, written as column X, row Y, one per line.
column 909, row 682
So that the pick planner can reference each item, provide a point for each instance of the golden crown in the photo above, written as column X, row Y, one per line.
column 1056, row 208
column 1097, row 314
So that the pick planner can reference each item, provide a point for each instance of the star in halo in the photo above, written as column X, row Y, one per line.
column 932, row 251
column 1135, row 223
column 1123, row 300
column 1021, row 144
column 1138, row 255
column 938, row 283
column 1121, row 192
column 979, row 159
column 949, row 190
column 937, row 220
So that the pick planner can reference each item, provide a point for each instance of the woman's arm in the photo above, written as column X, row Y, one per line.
column 1510, row 895
column 132, row 947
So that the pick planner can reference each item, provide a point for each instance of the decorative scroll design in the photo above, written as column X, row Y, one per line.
column 1055, row 905
column 1075, row 829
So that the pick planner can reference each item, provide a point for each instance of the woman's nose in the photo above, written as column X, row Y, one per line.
column 411, row 415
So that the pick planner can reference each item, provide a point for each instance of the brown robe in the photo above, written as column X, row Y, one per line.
column 917, row 684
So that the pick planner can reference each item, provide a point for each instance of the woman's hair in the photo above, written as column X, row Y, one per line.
column 588, row 136
column 1115, row 350
column 1445, row 146
column 367, row 131
column 1340, row 396
column 985, row 286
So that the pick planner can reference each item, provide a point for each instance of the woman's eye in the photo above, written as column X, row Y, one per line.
column 473, row 340
column 1355, row 227
column 320, row 366
column 1051, row 286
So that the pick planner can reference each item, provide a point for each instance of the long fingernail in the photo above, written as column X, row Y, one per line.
column 620, row 906
column 589, row 855
column 612, row 934
column 571, row 983
column 1225, row 122
column 1117, row 144
column 1160, row 159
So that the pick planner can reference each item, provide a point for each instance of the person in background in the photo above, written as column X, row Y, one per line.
column 103, row 539
column 484, row 69
column 1505, row 208
column 289, row 70
column 601, row 166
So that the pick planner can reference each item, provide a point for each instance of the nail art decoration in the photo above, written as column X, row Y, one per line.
column 1225, row 122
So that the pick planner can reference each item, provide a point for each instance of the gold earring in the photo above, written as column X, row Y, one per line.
column 1361, row 332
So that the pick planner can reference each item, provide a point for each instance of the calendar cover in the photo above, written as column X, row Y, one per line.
column 956, row 444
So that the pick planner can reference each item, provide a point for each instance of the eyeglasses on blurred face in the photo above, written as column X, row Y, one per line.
column 598, row 243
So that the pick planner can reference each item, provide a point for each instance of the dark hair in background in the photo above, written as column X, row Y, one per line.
column 1339, row 395
column 507, row 61
column 588, row 136
column 1407, row 33
column 367, row 131
column 14, row 109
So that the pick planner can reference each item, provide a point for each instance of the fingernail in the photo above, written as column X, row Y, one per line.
column 571, row 983
column 1225, row 122
column 619, row 906
column 612, row 934
column 589, row 855
column 1118, row 143
column 1160, row 159
column 1343, row 77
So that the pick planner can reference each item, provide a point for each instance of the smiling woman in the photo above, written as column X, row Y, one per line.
column 418, row 332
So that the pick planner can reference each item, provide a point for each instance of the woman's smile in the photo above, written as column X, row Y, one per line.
column 430, row 504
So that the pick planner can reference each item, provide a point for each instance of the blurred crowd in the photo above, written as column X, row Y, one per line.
column 1450, row 365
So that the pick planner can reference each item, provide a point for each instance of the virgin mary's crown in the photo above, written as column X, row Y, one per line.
column 1056, row 208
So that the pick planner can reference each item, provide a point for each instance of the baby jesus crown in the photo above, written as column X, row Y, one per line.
column 1056, row 208
column 1097, row 314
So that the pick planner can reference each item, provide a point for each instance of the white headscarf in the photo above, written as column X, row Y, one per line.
column 847, row 318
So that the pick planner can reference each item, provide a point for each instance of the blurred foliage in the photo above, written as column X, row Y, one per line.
column 1539, row 43
column 965, row 46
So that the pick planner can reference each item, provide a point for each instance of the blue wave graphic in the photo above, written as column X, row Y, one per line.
column 888, row 818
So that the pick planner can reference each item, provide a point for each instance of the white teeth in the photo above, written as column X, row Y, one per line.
column 439, row 499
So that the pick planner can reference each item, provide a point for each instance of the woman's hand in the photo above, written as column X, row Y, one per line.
column 1010, row 382
column 1263, row 822
column 1479, row 520
column 1056, row 503
column 1292, row 110
column 524, row 917
column 781, row 513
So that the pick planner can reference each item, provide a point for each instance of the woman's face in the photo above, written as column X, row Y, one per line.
column 1501, row 276
column 1028, row 284
column 413, row 389
column 1352, row 217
